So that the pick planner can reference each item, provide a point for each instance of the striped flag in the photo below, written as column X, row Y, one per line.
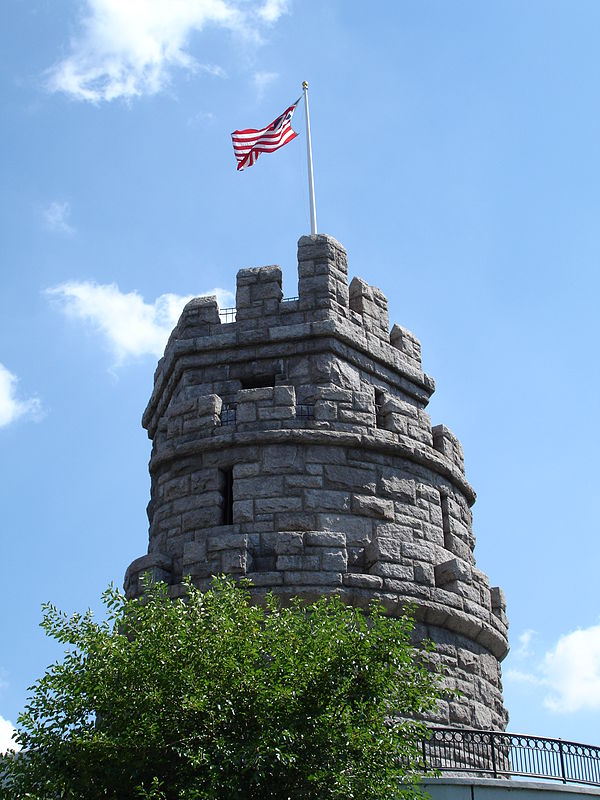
column 250, row 143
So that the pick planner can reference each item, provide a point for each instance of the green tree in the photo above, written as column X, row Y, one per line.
column 214, row 697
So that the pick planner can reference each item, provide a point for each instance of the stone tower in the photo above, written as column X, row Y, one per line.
column 292, row 446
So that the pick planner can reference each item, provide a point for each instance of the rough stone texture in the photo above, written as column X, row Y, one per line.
column 292, row 447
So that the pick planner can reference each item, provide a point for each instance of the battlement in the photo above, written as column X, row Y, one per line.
column 258, row 293
column 323, row 294
column 326, row 306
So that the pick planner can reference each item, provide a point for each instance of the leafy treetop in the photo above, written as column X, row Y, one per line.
column 213, row 697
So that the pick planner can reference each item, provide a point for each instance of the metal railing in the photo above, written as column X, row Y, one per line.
column 227, row 314
column 499, row 755
column 228, row 414
column 305, row 411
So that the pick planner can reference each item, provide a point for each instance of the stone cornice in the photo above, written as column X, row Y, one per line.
column 379, row 442
column 183, row 353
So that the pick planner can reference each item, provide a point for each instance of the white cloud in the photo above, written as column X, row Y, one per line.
column 213, row 69
column 569, row 672
column 6, row 732
column 201, row 119
column 524, row 677
column 262, row 81
column 11, row 407
column 572, row 670
column 130, row 326
column 524, row 649
column 271, row 10
column 56, row 217
column 127, row 49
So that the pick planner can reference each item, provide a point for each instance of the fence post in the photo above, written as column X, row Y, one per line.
column 424, row 756
column 562, row 761
column 493, row 754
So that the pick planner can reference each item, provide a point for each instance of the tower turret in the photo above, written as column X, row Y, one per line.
column 292, row 446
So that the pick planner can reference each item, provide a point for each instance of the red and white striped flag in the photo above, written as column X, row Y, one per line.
column 250, row 143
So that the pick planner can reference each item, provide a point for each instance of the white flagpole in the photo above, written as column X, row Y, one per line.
column 311, row 182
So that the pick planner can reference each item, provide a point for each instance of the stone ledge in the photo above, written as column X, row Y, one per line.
column 398, row 446
column 158, row 565
column 361, row 590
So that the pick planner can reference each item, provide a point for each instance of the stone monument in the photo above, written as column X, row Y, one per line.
column 292, row 446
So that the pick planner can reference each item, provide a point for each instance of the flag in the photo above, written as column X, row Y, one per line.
column 250, row 143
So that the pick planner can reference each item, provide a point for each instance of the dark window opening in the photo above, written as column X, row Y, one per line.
column 258, row 382
column 446, row 523
column 226, row 496
column 379, row 401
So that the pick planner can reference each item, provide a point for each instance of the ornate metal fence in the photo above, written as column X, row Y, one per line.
column 227, row 314
column 496, row 754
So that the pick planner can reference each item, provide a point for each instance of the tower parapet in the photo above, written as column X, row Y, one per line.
column 292, row 446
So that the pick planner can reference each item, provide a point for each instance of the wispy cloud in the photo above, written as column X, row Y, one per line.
column 6, row 734
column 129, row 325
column 569, row 672
column 519, row 676
column 262, row 81
column 56, row 217
column 524, row 639
column 201, row 120
column 11, row 406
column 271, row 10
column 128, row 49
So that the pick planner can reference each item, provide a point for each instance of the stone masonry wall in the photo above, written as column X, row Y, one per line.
column 292, row 447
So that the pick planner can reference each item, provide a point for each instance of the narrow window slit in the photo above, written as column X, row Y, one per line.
column 379, row 401
column 226, row 490
column 446, row 523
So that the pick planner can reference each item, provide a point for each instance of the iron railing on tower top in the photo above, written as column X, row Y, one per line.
column 497, row 754
column 229, row 314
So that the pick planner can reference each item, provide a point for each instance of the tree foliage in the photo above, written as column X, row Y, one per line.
column 214, row 697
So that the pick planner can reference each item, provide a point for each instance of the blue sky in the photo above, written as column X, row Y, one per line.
column 456, row 158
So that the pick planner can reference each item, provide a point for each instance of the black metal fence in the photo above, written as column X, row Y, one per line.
column 496, row 754
column 227, row 314
column 228, row 414
column 305, row 411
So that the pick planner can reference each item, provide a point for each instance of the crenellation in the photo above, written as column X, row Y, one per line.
column 258, row 294
column 293, row 447
column 322, row 275
column 448, row 444
column 371, row 304
column 407, row 344
column 199, row 318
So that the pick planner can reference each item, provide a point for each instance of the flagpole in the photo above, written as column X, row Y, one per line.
column 311, row 182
